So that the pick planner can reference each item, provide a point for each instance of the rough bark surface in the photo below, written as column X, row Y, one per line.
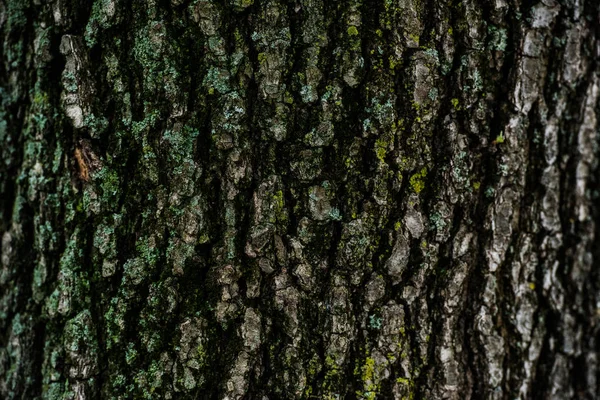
column 271, row 199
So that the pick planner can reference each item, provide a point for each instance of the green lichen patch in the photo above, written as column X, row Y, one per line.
column 417, row 180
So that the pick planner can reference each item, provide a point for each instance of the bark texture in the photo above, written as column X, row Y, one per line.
column 271, row 199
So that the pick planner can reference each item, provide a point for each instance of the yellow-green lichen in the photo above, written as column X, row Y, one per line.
column 368, row 379
column 262, row 57
column 409, row 384
column 287, row 98
column 500, row 138
column 278, row 199
column 332, row 374
column 417, row 180
column 352, row 31
column 381, row 149
column 454, row 102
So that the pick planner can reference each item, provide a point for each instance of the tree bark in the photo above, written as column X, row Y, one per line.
column 269, row 199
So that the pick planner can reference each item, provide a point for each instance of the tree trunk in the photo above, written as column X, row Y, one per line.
column 269, row 199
